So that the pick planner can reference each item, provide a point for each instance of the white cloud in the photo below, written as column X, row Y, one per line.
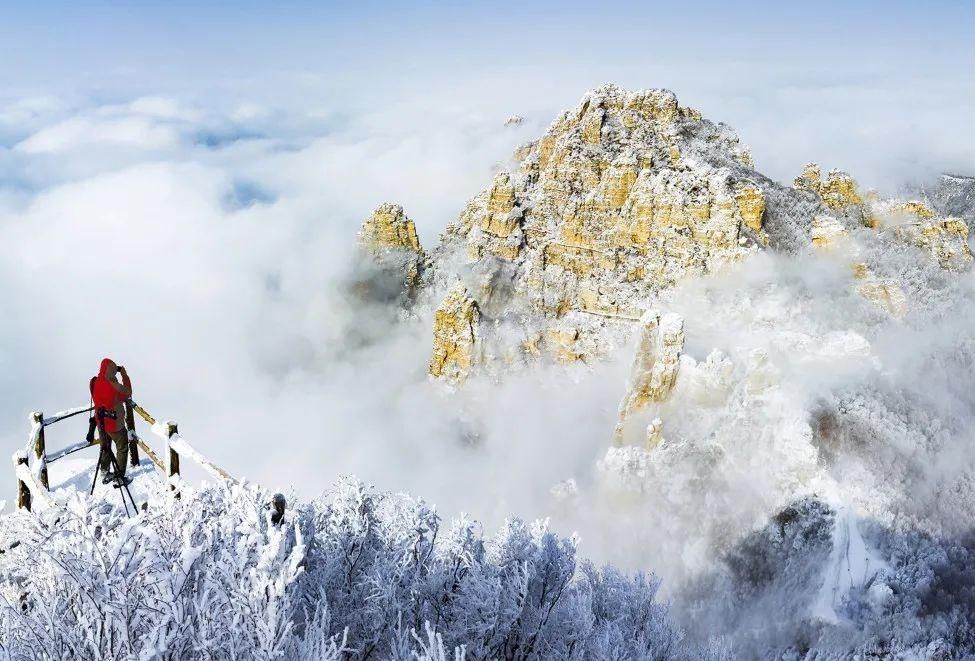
column 214, row 273
column 75, row 133
column 205, row 247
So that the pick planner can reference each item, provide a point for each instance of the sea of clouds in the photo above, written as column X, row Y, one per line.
column 204, row 238
column 205, row 251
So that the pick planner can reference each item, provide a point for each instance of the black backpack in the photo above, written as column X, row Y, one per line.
column 92, row 421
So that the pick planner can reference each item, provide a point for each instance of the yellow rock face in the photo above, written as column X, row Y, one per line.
column 839, row 190
column 592, row 128
column 945, row 238
column 502, row 196
column 493, row 222
column 885, row 293
column 751, row 206
column 810, row 179
column 915, row 208
column 389, row 228
column 659, row 106
column 656, row 364
column 615, row 185
column 389, row 237
column 578, row 259
column 456, row 339
column 605, row 210
column 561, row 342
column 599, row 303
column 660, row 226
column 827, row 232
column 532, row 345
column 914, row 222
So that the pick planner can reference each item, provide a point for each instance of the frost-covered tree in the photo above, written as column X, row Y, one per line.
column 358, row 574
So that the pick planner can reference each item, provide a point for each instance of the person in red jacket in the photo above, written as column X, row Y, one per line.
column 108, row 396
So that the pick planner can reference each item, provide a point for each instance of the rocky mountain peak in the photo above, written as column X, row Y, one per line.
column 624, row 197
column 389, row 228
column 397, row 261
column 626, row 194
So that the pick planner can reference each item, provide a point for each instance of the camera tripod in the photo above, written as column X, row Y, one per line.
column 119, row 479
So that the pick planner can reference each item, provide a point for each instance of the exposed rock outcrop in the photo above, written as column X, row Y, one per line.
column 827, row 232
column 389, row 228
column 625, row 197
column 838, row 191
column 390, row 238
column 954, row 195
column 884, row 292
column 946, row 239
column 456, row 340
column 655, row 367
column 613, row 204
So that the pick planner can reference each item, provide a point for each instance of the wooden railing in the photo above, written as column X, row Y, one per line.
column 33, row 482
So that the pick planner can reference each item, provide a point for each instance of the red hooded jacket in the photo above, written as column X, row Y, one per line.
column 104, row 394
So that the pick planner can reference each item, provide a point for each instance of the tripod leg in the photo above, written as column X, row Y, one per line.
column 118, row 482
column 121, row 485
column 98, row 466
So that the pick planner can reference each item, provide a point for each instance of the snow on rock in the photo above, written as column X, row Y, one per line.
column 852, row 565
column 655, row 366
column 626, row 197
column 794, row 435
column 954, row 195
column 611, row 205
column 827, row 232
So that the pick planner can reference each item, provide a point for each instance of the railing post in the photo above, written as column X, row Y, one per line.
column 23, row 491
column 173, row 463
column 40, row 449
column 133, row 437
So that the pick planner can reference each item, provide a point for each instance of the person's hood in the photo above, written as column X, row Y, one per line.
column 105, row 364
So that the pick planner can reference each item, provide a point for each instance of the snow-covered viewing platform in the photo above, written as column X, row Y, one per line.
column 51, row 477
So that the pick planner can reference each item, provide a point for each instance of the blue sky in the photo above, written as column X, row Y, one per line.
column 92, row 43
column 832, row 81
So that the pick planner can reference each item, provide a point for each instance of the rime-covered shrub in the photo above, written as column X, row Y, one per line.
column 358, row 574
column 766, row 593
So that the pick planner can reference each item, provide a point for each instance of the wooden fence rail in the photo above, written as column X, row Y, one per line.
column 33, row 485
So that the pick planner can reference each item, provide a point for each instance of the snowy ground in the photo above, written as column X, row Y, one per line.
column 75, row 472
